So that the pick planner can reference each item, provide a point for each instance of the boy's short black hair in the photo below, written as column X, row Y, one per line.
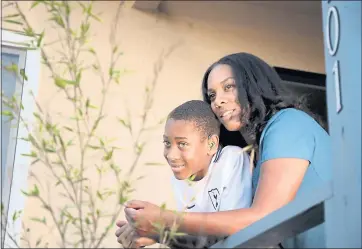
column 200, row 113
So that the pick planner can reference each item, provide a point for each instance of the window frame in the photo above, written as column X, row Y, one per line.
column 14, row 125
column 17, row 41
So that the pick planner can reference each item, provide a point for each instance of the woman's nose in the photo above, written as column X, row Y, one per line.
column 220, row 101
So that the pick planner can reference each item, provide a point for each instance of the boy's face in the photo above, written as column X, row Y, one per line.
column 185, row 150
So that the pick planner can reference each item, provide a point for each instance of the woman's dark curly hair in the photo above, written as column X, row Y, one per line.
column 259, row 89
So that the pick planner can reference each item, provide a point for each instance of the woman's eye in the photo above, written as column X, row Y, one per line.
column 211, row 96
column 228, row 87
column 166, row 143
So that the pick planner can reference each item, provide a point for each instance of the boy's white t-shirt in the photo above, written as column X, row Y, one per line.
column 226, row 186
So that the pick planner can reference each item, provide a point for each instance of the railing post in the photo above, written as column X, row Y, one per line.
column 342, row 40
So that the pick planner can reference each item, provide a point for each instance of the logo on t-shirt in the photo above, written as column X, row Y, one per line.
column 190, row 207
column 214, row 195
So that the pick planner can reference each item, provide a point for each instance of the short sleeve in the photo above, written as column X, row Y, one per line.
column 289, row 135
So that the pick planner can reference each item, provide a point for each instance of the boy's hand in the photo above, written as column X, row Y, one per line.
column 128, row 238
column 144, row 215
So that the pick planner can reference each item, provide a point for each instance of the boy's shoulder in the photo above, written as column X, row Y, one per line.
column 231, row 151
column 231, row 156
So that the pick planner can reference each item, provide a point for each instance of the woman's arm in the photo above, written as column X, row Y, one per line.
column 279, row 182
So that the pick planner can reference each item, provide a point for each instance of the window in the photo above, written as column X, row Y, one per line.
column 14, row 167
column 311, row 86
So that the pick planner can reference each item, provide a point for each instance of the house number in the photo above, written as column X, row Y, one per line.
column 333, row 17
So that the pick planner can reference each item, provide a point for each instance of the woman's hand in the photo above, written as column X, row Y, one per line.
column 128, row 238
column 144, row 216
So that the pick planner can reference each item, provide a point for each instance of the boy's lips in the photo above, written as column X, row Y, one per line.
column 177, row 168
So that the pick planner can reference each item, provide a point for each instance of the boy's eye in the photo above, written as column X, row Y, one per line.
column 182, row 144
column 166, row 143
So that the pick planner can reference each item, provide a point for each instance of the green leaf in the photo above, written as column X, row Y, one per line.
column 125, row 123
column 32, row 154
column 50, row 150
column 115, row 48
column 67, row 8
column 80, row 112
column 94, row 147
column 88, row 104
column 68, row 128
column 13, row 22
column 99, row 195
column 33, row 142
column 154, row 164
column 34, row 4
column 38, row 242
column 70, row 142
column 101, row 142
column 140, row 178
column 96, row 18
column 35, row 191
column 39, row 40
column 43, row 220
column 58, row 20
column 37, row 115
column 122, row 199
column 163, row 206
column 92, row 51
column 139, row 148
column 108, row 155
column 12, row 16
column 59, row 82
column 12, row 68
column 35, row 161
column 115, row 167
column 179, row 234
column 16, row 215
column 84, row 28
column 29, row 31
column 78, row 78
column 62, row 83
column 7, row 113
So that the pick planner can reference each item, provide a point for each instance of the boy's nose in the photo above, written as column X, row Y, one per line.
column 172, row 158
column 172, row 154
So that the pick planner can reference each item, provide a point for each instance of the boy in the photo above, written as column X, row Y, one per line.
column 207, row 178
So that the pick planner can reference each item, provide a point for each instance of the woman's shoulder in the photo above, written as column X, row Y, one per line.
column 292, row 118
column 292, row 122
column 292, row 133
column 290, row 115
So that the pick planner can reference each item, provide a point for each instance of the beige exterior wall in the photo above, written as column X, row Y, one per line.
column 142, row 36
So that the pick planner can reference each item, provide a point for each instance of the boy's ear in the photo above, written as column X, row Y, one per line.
column 213, row 143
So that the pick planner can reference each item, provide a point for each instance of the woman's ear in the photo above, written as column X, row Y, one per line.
column 213, row 144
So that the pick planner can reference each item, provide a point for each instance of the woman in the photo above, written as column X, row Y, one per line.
column 293, row 149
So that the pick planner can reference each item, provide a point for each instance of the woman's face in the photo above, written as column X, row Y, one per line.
column 223, row 94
